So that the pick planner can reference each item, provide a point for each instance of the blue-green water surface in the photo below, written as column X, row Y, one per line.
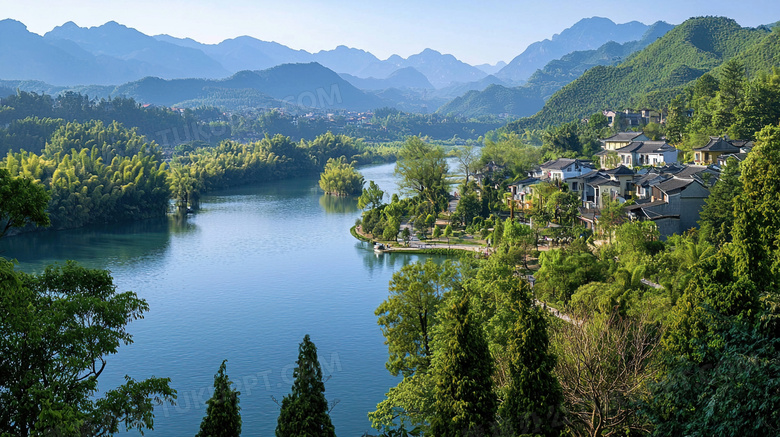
column 243, row 279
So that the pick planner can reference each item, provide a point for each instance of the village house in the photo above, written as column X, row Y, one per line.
column 639, row 153
column 717, row 146
column 631, row 118
column 674, row 204
column 622, row 139
column 562, row 168
column 522, row 193
column 616, row 184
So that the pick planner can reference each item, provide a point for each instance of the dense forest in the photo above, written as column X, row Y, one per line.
column 97, row 173
column 30, row 119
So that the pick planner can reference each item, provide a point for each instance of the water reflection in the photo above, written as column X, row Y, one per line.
column 338, row 204
column 377, row 263
column 94, row 245
column 180, row 224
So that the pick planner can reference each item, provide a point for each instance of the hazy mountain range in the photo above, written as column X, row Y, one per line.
column 112, row 54
column 113, row 59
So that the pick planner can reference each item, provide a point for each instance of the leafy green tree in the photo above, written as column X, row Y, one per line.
column 430, row 220
column 340, row 178
column 406, row 235
column 731, row 94
column 533, row 400
column 436, row 232
column 513, row 152
column 654, row 131
column 676, row 120
column 735, row 394
column 448, row 233
column 421, row 169
column 562, row 141
column 372, row 196
column 561, row 272
column 611, row 215
column 22, row 201
column 498, row 233
column 468, row 208
column 305, row 410
column 223, row 418
column 407, row 317
column 390, row 232
column 465, row 403
column 58, row 328
column 760, row 106
column 716, row 295
column 467, row 157
column 598, row 121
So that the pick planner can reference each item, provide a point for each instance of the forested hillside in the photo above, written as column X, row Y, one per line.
column 651, row 77
column 526, row 100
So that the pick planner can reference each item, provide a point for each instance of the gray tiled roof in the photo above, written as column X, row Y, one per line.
column 558, row 164
column 620, row 171
column 526, row 181
column 646, row 147
column 645, row 204
column 561, row 163
column 674, row 184
column 623, row 136
column 717, row 144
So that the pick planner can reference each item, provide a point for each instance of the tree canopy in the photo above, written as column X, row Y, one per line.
column 422, row 168
column 305, row 410
column 59, row 327
column 22, row 201
column 223, row 418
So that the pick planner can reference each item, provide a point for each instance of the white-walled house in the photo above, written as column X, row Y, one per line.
column 622, row 139
column 639, row 153
column 562, row 168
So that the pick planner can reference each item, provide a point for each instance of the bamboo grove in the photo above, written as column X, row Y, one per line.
column 102, row 173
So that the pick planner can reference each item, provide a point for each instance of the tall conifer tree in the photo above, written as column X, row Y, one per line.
column 534, row 398
column 465, row 403
column 305, row 411
column 222, row 414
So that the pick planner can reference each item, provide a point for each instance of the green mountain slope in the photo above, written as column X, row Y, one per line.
column 526, row 100
column 682, row 55
column 495, row 99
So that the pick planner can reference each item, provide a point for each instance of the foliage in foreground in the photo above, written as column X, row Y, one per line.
column 223, row 418
column 59, row 327
column 305, row 410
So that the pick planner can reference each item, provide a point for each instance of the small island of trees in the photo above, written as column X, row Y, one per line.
column 340, row 178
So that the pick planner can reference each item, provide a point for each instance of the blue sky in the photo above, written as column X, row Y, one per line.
column 476, row 32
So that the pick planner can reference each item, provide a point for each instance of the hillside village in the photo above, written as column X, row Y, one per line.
column 644, row 176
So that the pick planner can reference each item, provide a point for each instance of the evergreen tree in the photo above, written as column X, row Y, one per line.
column 534, row 397
column 756, row 222
column 222, row 414
column 465, row 403
column 677, row 120
column 305, row 411
column 717, row 216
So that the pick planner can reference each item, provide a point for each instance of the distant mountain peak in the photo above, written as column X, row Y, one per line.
column 11, row 24
column 429, row 51
column 69, row 25
column 586, row 34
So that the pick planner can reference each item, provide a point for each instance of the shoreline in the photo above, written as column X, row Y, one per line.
column 426, row 249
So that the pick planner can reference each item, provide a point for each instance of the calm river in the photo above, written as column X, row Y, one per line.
column 244, row 279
